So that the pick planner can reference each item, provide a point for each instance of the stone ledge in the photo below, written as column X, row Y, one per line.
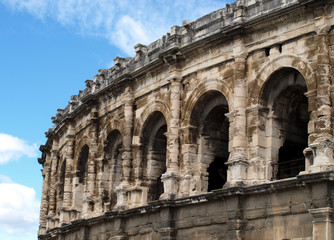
column 270, row 188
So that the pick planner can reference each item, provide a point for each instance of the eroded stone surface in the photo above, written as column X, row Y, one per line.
column 221, row 129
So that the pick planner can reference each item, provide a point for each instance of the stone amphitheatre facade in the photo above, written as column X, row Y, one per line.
column 221, row 129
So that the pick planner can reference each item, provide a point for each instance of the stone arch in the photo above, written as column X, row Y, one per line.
column 286, row 121
column 81, row 168
column 154, row 153
column 80, row 171
column 255, row 87
column 111, row 171
column 61, row 182
column 82, row 142
column 58, row 190
column 202, row 88
column 156, row 106
column 114, row 124
column 206, row 133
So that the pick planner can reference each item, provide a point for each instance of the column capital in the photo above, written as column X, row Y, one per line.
column 175, row 77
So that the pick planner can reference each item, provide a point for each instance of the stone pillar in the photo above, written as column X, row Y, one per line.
column 69, row 168
column 167, row 230
column 67, row 198
column 323, row 143
column 119, row 229
column 138, row 193
column 323, row 223
column 171, row 177
column 258, row 170
column 44, row 202
column 51, row 217
column 54, row 163
column 103, row 184
column 238, row 154
column 190, row 159
column 167, row 233
column 90, row 191
column 137, row 163
column 128, row 132
column 123, row 189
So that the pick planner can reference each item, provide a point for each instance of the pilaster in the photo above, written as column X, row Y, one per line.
column 128, row 132
column 90, row 191
column 52, row 197
column 123, row 189
column 238, row 160
column 189, row 151
column 171, row 177
column 69, row 168
column 44, row 203
column 258, row 169
column 323, row 223
column 65, row 215
column 322, row 143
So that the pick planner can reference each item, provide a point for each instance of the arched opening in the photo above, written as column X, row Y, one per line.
column 284, row 96
column 155, row 145
column 111, row 169
column 81, row 173
column 212, row 137
column 82, row 163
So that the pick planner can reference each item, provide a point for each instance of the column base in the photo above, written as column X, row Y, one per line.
column 171, row 185
column 237, row 171
column 122, row 196
column 137, row 196
column 319, row 156
column 68, row 215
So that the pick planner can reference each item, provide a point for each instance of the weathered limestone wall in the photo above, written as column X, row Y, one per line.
column 271, row 211
column 222, row 129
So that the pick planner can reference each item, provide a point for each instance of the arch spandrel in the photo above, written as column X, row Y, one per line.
column 200, row 90
column 156, row 106
column 256, row 86
column 113, row 125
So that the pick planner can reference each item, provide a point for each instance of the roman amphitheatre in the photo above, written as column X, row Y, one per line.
column 220, row 129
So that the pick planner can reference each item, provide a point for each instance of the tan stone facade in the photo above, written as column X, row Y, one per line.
column 221, row 129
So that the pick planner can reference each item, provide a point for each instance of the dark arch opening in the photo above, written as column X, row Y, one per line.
column 291, row 159
column 61, row 187
column 217, row 173
column 155, row 148
column 62, row 179
column 212, row 125
column 82, row 163
column 284, row 95
column 112, row 168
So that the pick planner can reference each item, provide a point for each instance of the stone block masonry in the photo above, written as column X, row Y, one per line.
column 221, row 129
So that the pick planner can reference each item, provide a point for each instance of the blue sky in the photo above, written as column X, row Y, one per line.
column 47, row 50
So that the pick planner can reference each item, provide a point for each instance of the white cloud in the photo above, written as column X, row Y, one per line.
column 128, row 33
column 34, row 7
column 124, row 23
column 19, row 210
column 12, row 148
column 5, row 179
